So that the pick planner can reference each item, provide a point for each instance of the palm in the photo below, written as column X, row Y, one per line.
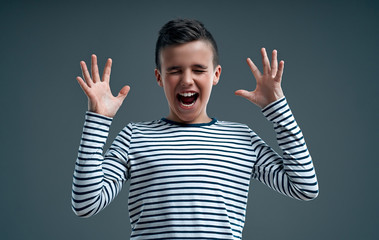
column 102, row 101
column 100, row 97
column 268, row 88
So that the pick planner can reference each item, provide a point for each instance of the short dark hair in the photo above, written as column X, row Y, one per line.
column 180, row 31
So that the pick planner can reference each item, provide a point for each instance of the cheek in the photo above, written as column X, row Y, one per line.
column 208, row 83
column 169, row 86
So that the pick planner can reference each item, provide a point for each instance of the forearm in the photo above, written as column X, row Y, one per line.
column 92, row 187
column 293, row 174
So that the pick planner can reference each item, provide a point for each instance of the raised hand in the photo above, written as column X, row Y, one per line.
column 100, row 97
column 268, row 87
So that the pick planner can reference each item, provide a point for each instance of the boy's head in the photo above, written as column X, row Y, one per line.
column 187, row 69
column 180, row 31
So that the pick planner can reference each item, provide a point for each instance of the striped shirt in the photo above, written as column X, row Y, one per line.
column 189, row 181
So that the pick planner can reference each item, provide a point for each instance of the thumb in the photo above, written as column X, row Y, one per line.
column 246, row 94
column 123, row 92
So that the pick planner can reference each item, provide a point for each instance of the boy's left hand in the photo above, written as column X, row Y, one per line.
column 268, row 87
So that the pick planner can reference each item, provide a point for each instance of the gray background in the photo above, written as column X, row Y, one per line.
column 330, row 80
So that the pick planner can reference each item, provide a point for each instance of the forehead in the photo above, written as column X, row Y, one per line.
column 196, row 52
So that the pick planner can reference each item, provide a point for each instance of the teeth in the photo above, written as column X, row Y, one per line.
column 188, row 105
column 187, row 94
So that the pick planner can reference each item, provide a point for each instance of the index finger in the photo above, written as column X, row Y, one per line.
column 85, row 73
column 107, row 70
column 265, row 61
column 254, row 69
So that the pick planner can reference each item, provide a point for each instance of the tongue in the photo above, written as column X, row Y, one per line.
column 187, row 100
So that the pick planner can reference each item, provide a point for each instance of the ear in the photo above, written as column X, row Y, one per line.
column 217, row 74
column 158, row 76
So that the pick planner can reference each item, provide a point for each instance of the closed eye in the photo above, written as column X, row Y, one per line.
column 174, row 72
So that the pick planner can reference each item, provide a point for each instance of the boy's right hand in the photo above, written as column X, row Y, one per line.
column 100, row 97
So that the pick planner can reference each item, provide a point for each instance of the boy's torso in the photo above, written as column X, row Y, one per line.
column 189, row 179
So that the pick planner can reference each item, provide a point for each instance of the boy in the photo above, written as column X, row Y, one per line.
column 189, row 173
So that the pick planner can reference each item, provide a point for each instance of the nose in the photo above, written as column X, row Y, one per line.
column 187, row 78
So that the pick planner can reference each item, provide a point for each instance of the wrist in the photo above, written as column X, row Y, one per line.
column 274, row 103
column 273, row 98
column 94, row 108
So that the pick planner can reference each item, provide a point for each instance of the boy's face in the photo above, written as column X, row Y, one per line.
column 187, row 75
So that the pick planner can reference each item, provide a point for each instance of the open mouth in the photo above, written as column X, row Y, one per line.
column 187, row 99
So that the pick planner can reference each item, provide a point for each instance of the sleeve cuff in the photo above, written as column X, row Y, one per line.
column 276, row 110
column 97, row 120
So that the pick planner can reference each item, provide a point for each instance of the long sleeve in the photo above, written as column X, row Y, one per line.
column 98, row 179
column 293, row 174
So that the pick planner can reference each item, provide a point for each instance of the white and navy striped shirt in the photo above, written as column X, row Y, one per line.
column 189, row 181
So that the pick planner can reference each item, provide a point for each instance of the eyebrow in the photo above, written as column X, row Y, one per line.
column 179, row 67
